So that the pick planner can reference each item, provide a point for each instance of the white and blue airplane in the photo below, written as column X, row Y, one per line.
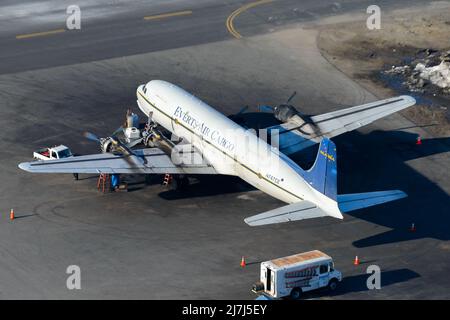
column 229, row 149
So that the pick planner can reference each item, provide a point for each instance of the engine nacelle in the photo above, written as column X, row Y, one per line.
column 284, row 112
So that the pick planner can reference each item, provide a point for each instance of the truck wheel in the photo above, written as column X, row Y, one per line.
column 332, row 285
column 296, row 293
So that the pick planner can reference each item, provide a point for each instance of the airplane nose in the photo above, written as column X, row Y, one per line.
column 139, row 92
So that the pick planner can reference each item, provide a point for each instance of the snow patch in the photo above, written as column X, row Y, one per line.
column 438, row 75
column 428, row 71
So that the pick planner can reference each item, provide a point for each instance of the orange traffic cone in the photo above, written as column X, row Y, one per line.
column 418, row 141
column 413, row 228
column 11, row 215
column 243, row 262
column 356, row 262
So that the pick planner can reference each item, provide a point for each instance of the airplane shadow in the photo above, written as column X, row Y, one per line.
column 255, row 120
column 207, row 186
column 378, row 161
column 357, row 283
column 138, row 182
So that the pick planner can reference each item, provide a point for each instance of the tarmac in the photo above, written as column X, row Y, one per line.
column 154, row 243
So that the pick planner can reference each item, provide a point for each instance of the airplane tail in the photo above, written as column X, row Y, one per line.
column 323, row 177
column 323, row 174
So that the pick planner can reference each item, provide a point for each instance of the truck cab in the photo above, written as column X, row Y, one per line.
column 296, row 274
column 57, row 152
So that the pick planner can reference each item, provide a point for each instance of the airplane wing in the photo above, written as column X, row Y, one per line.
column 296, row 134
column 151, row 160
column 292, row 212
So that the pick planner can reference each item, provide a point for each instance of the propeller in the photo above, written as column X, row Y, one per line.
column 118, row 145
column 91, row 136
column 122, row 148
column 272, row 109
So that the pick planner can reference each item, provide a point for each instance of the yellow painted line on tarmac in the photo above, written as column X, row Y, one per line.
column 167, row 15
column 39, row 34
column 234, row 14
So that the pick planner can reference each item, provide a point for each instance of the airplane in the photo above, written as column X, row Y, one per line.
column 227, row 148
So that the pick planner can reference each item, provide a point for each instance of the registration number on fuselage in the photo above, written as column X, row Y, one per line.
column 273, row 178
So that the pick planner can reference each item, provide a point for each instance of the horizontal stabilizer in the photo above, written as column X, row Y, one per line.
column 355, row 201
column 292, row 212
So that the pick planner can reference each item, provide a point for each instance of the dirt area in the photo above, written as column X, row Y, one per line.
column 364, row 54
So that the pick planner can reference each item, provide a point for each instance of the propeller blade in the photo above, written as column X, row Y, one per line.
column 117, row 130
column 128, row 152
column 91, row 136
column 291, row 97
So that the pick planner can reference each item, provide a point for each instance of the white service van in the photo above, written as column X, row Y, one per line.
column 293, row 275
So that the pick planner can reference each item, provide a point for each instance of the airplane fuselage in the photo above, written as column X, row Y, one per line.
column 230, row 148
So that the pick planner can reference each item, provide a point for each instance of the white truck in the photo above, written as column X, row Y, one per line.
column 57, row 152
column 293, row 275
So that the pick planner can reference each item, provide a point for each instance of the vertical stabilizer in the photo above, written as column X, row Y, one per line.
column 323, row 174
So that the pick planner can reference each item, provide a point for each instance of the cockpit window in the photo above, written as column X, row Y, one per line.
column 145, row 89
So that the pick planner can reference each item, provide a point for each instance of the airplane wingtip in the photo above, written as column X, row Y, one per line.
column 24, row 166
column 411, row 100
column 250, row 222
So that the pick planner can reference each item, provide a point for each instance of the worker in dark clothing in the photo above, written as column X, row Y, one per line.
column 75, row 176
